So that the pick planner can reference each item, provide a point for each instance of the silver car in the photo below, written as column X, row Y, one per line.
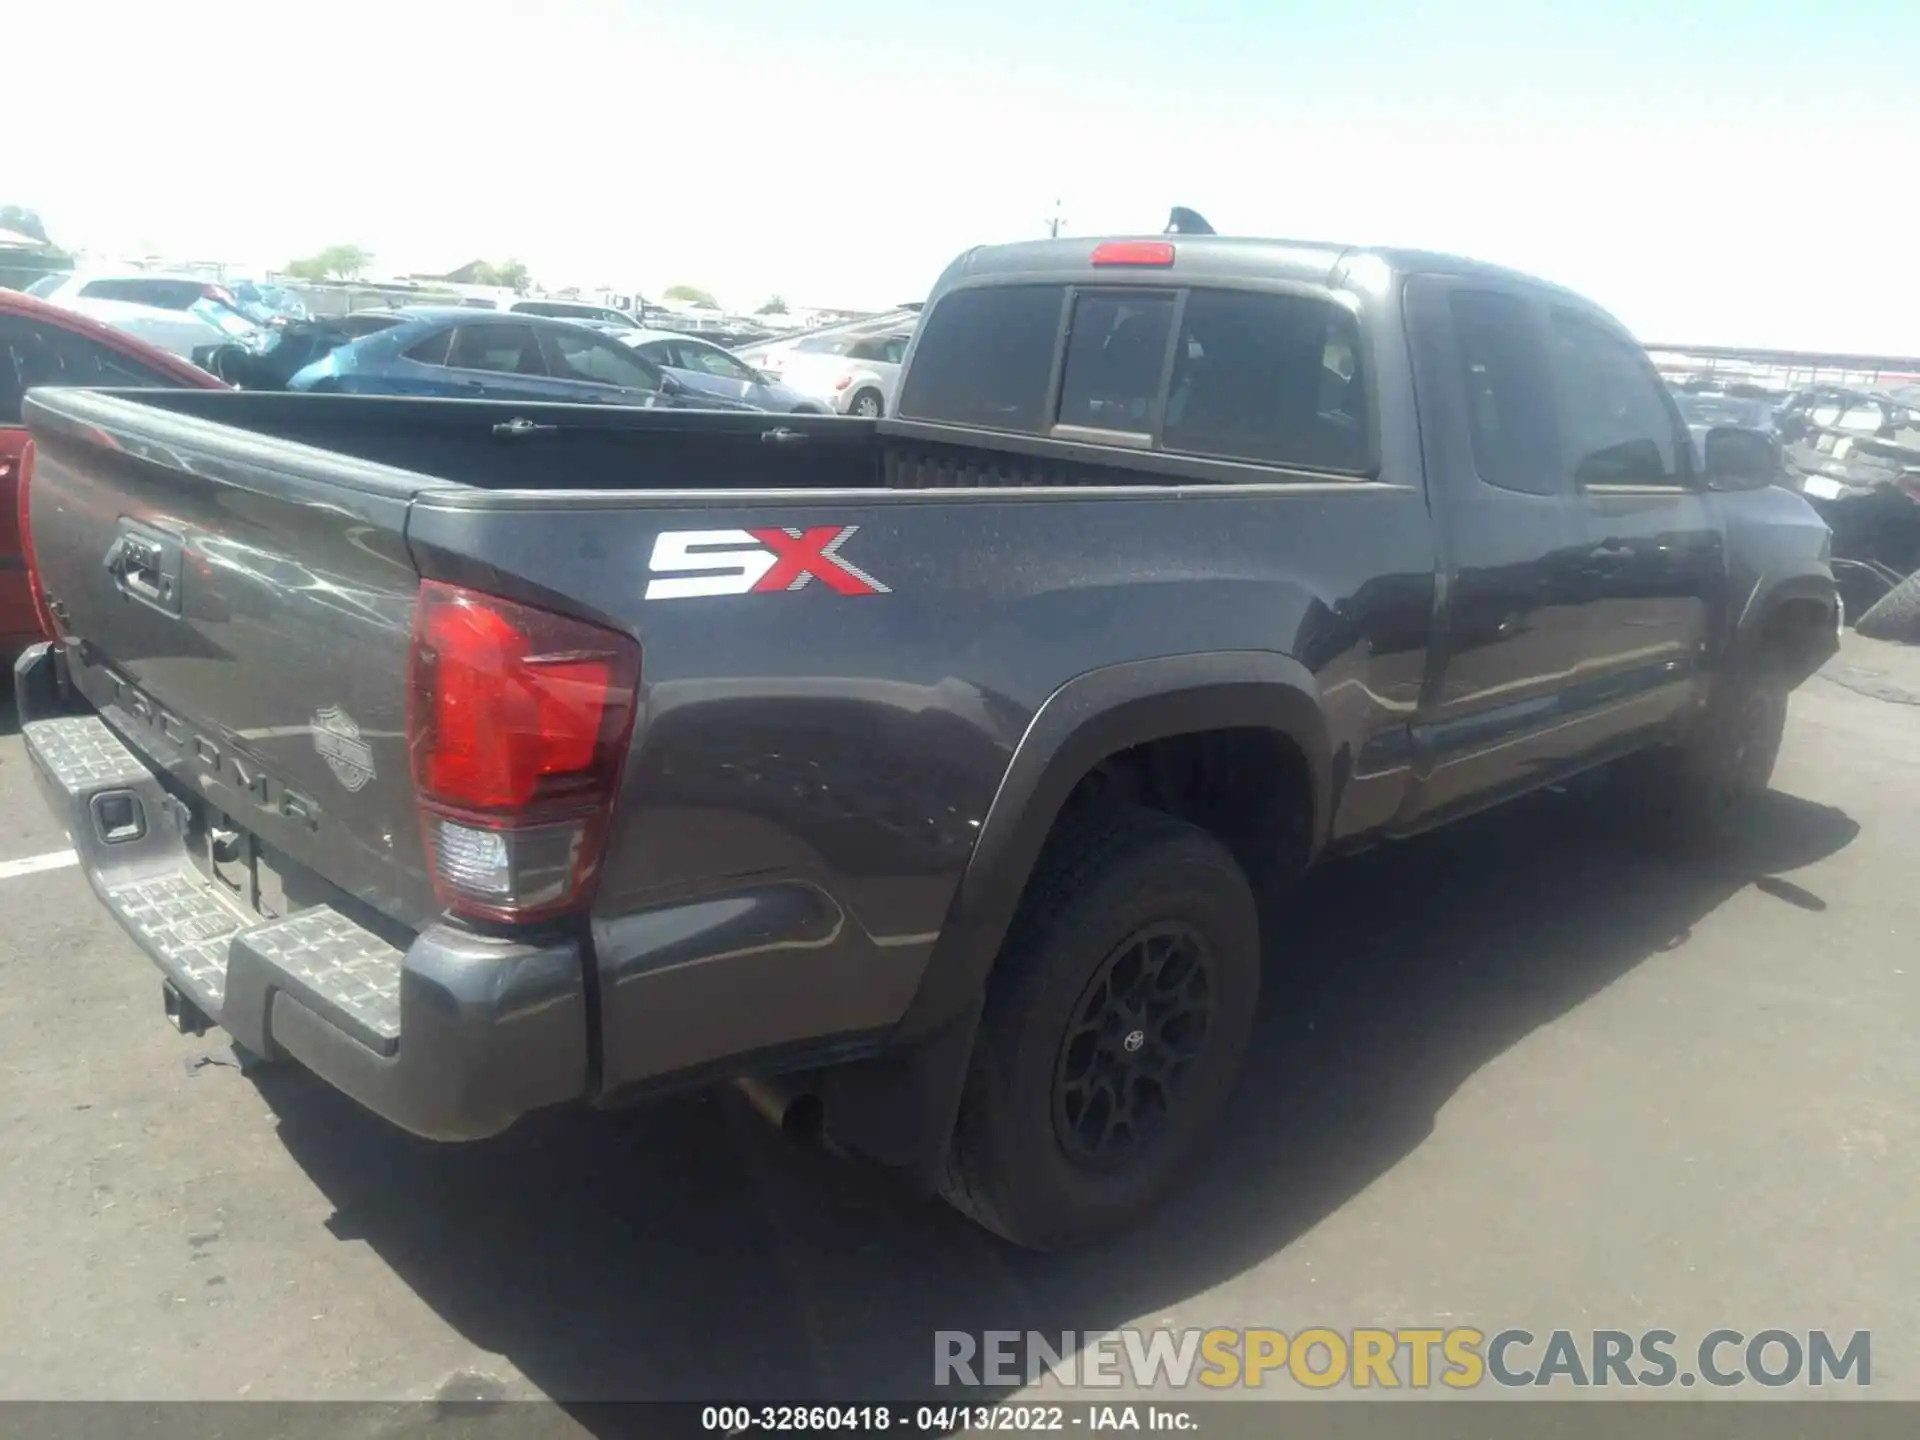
column 707, row 369
column 853, row 374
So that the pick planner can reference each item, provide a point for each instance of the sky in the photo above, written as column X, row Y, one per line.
column 1713, row 173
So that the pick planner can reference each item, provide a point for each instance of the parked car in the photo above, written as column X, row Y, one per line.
column 462, row 353
column 707, row 369
column 268, row 304
column 571, row 310
column 927, row 767
column 43, row 344
column 852, row 374
column 190, row 334
column 140, row 287
column 1855, row 454
column 292, row 347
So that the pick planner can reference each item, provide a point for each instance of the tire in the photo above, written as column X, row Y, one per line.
column 868, row 405
column 1699, row 796
column 1128, row 906
column 1895, row 616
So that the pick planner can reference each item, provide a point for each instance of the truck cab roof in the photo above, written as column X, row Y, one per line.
column 1218, row 258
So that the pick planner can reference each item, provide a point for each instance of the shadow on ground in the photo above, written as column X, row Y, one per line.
column 684, row 1251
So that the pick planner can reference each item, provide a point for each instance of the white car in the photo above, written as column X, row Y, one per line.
column 178, row 332
column 854, row 374
column 177, row 313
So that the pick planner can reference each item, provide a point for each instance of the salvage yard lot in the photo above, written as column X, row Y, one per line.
column 1512, row 1075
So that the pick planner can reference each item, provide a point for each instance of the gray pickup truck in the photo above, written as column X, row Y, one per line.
column 482, row 757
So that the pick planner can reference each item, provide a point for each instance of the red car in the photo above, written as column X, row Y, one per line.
column 42, row 344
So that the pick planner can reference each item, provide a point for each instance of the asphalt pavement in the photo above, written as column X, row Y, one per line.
column 1515, row 1074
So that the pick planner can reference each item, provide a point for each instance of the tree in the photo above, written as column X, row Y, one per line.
column 336, row 262
column 774, row 306
column 691, row 296
column 23, row 221
column 514, row 276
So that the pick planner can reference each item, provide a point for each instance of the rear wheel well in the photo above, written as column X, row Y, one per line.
column 1248, row 787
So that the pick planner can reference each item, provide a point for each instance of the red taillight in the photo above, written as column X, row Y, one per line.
column 1133, row 252
column 843, row 382
column 21, row 487
column 518, row 721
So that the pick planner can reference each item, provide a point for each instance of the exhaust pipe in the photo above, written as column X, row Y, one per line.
column 786, row 1103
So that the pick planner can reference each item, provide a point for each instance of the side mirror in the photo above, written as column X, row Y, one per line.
column 1738, row 459
column 671, row 386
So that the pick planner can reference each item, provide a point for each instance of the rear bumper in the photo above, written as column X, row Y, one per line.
column 453, row 1037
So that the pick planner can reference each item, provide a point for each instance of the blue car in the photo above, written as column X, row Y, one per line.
column 480, row 355
column 703, row 366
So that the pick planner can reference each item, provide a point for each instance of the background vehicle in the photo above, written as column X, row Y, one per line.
column 139, row 287
column 930, row 767
column 189, row 333
column 1705, row 410
column 706, row 369
column 464, row 354
column 1855, row 455
column 853, row 374
column 42, row 344
column 268, row 304
column 290, row 348
column 573, row 310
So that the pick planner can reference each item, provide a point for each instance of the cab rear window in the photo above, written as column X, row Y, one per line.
column 984, row 358
column 1271, row 379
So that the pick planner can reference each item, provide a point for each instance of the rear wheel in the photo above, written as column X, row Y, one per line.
column 867, row 405
column 1115, row 1025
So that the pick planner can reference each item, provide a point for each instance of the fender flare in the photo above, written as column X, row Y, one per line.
column 1089, row 718
column 1809, row 582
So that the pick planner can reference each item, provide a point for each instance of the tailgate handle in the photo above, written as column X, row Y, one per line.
column 781, row 435
column 146, row 566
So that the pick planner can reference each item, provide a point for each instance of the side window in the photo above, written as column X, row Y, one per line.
column 1116, row 346
column 1503, row 364
column 713, row 362
column 985, row 358
column 505, row 349
column 39, row 354
column 1863, row 416
column 583, row 355
column 1274, row 379
column 1613, row 411
column 430, row 351
column 895, row 349
column 15, row 336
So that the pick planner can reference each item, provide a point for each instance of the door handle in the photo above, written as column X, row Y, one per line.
column 1611, row 552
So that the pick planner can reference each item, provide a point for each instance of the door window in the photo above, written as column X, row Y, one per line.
column 1616, row 424
column 584, row 355
column 712, row 361
column 1509, row 398
column 503, row 349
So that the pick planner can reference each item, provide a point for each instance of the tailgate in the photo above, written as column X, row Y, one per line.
column 239, row 610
